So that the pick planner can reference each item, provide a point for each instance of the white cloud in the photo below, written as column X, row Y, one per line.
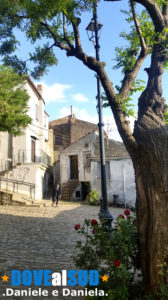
column 110, row 126
column 64, row 112
column 79, row 98
column 55, row 92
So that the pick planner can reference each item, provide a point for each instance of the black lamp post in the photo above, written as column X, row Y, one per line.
column 94, row 28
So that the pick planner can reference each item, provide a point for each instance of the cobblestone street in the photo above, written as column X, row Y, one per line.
column 40, row 238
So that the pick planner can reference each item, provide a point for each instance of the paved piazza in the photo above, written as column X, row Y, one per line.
column 40, row 238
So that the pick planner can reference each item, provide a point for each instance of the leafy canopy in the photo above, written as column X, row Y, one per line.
column 51, row 24
column 13, row 102
column 28, row 16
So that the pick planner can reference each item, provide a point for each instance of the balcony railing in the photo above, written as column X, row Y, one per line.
column 25, row 156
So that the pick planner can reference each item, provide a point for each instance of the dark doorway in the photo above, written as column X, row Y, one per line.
column 86, row 188
column 73, row 167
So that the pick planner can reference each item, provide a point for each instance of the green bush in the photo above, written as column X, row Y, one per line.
column 93, row 197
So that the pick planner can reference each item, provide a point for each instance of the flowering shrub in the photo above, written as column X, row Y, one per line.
column 77, row 226
column 126, row 212
column 113, row 252
column 94, row 222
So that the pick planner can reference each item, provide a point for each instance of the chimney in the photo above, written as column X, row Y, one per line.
column 40, row 88
column 71, row 111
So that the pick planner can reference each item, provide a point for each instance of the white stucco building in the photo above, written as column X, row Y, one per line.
column 27, row 156
column 80, row 163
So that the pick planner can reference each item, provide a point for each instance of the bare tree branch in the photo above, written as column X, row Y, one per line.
column 121, row 120
column 115, row 104
column 57, row 43
column 75, row 25
column 154, row 12
column 98, row 67
column 64, row 31
column 141, row 38
column 165, row 12
column 131, row 75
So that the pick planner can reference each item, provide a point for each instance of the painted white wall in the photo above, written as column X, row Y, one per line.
column 31, row 173
column 121, row 181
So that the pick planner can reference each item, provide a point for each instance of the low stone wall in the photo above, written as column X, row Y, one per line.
column 5, row 198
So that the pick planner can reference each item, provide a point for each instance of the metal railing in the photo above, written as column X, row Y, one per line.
column 14, row 186
column 25, row 156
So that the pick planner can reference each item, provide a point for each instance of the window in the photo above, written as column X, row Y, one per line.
column 107, row 170
column 37, row 112
column 86, row 145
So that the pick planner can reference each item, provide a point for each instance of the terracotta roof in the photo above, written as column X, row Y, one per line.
column 112, row 148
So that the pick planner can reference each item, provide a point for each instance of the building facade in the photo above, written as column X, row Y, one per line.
column 67, row 130
column 25, row 159
column 80, row 164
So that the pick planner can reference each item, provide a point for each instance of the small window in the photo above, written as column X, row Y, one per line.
column 37, row 112
column 86, row 145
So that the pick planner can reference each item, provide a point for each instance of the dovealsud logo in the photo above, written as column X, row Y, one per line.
column 47, row 283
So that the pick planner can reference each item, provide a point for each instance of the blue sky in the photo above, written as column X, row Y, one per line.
column 71, row 83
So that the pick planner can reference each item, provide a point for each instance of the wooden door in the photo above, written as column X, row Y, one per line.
column 74, row 167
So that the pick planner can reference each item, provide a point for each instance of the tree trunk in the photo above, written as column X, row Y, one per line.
column 152, row 215
column 151, row 172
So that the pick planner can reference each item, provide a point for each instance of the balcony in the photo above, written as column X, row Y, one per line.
column 25, row 156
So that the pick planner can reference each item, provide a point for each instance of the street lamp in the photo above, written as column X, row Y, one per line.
column 93, row 30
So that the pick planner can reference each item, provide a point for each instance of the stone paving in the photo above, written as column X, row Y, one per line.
column 40, row 238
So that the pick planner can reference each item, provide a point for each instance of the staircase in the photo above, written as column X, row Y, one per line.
column 68, row 189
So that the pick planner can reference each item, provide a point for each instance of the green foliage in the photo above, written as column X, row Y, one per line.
column 126, row 56
column 28, row 16
column 166, row 115
column 13, row 102
column 93, row 197
column 163, row 289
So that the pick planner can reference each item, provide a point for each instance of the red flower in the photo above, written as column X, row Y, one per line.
column 93, row 231
column 94, row 222
column 77, row 226
column 126, row 212
column 120, row 216
column 117, row 263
